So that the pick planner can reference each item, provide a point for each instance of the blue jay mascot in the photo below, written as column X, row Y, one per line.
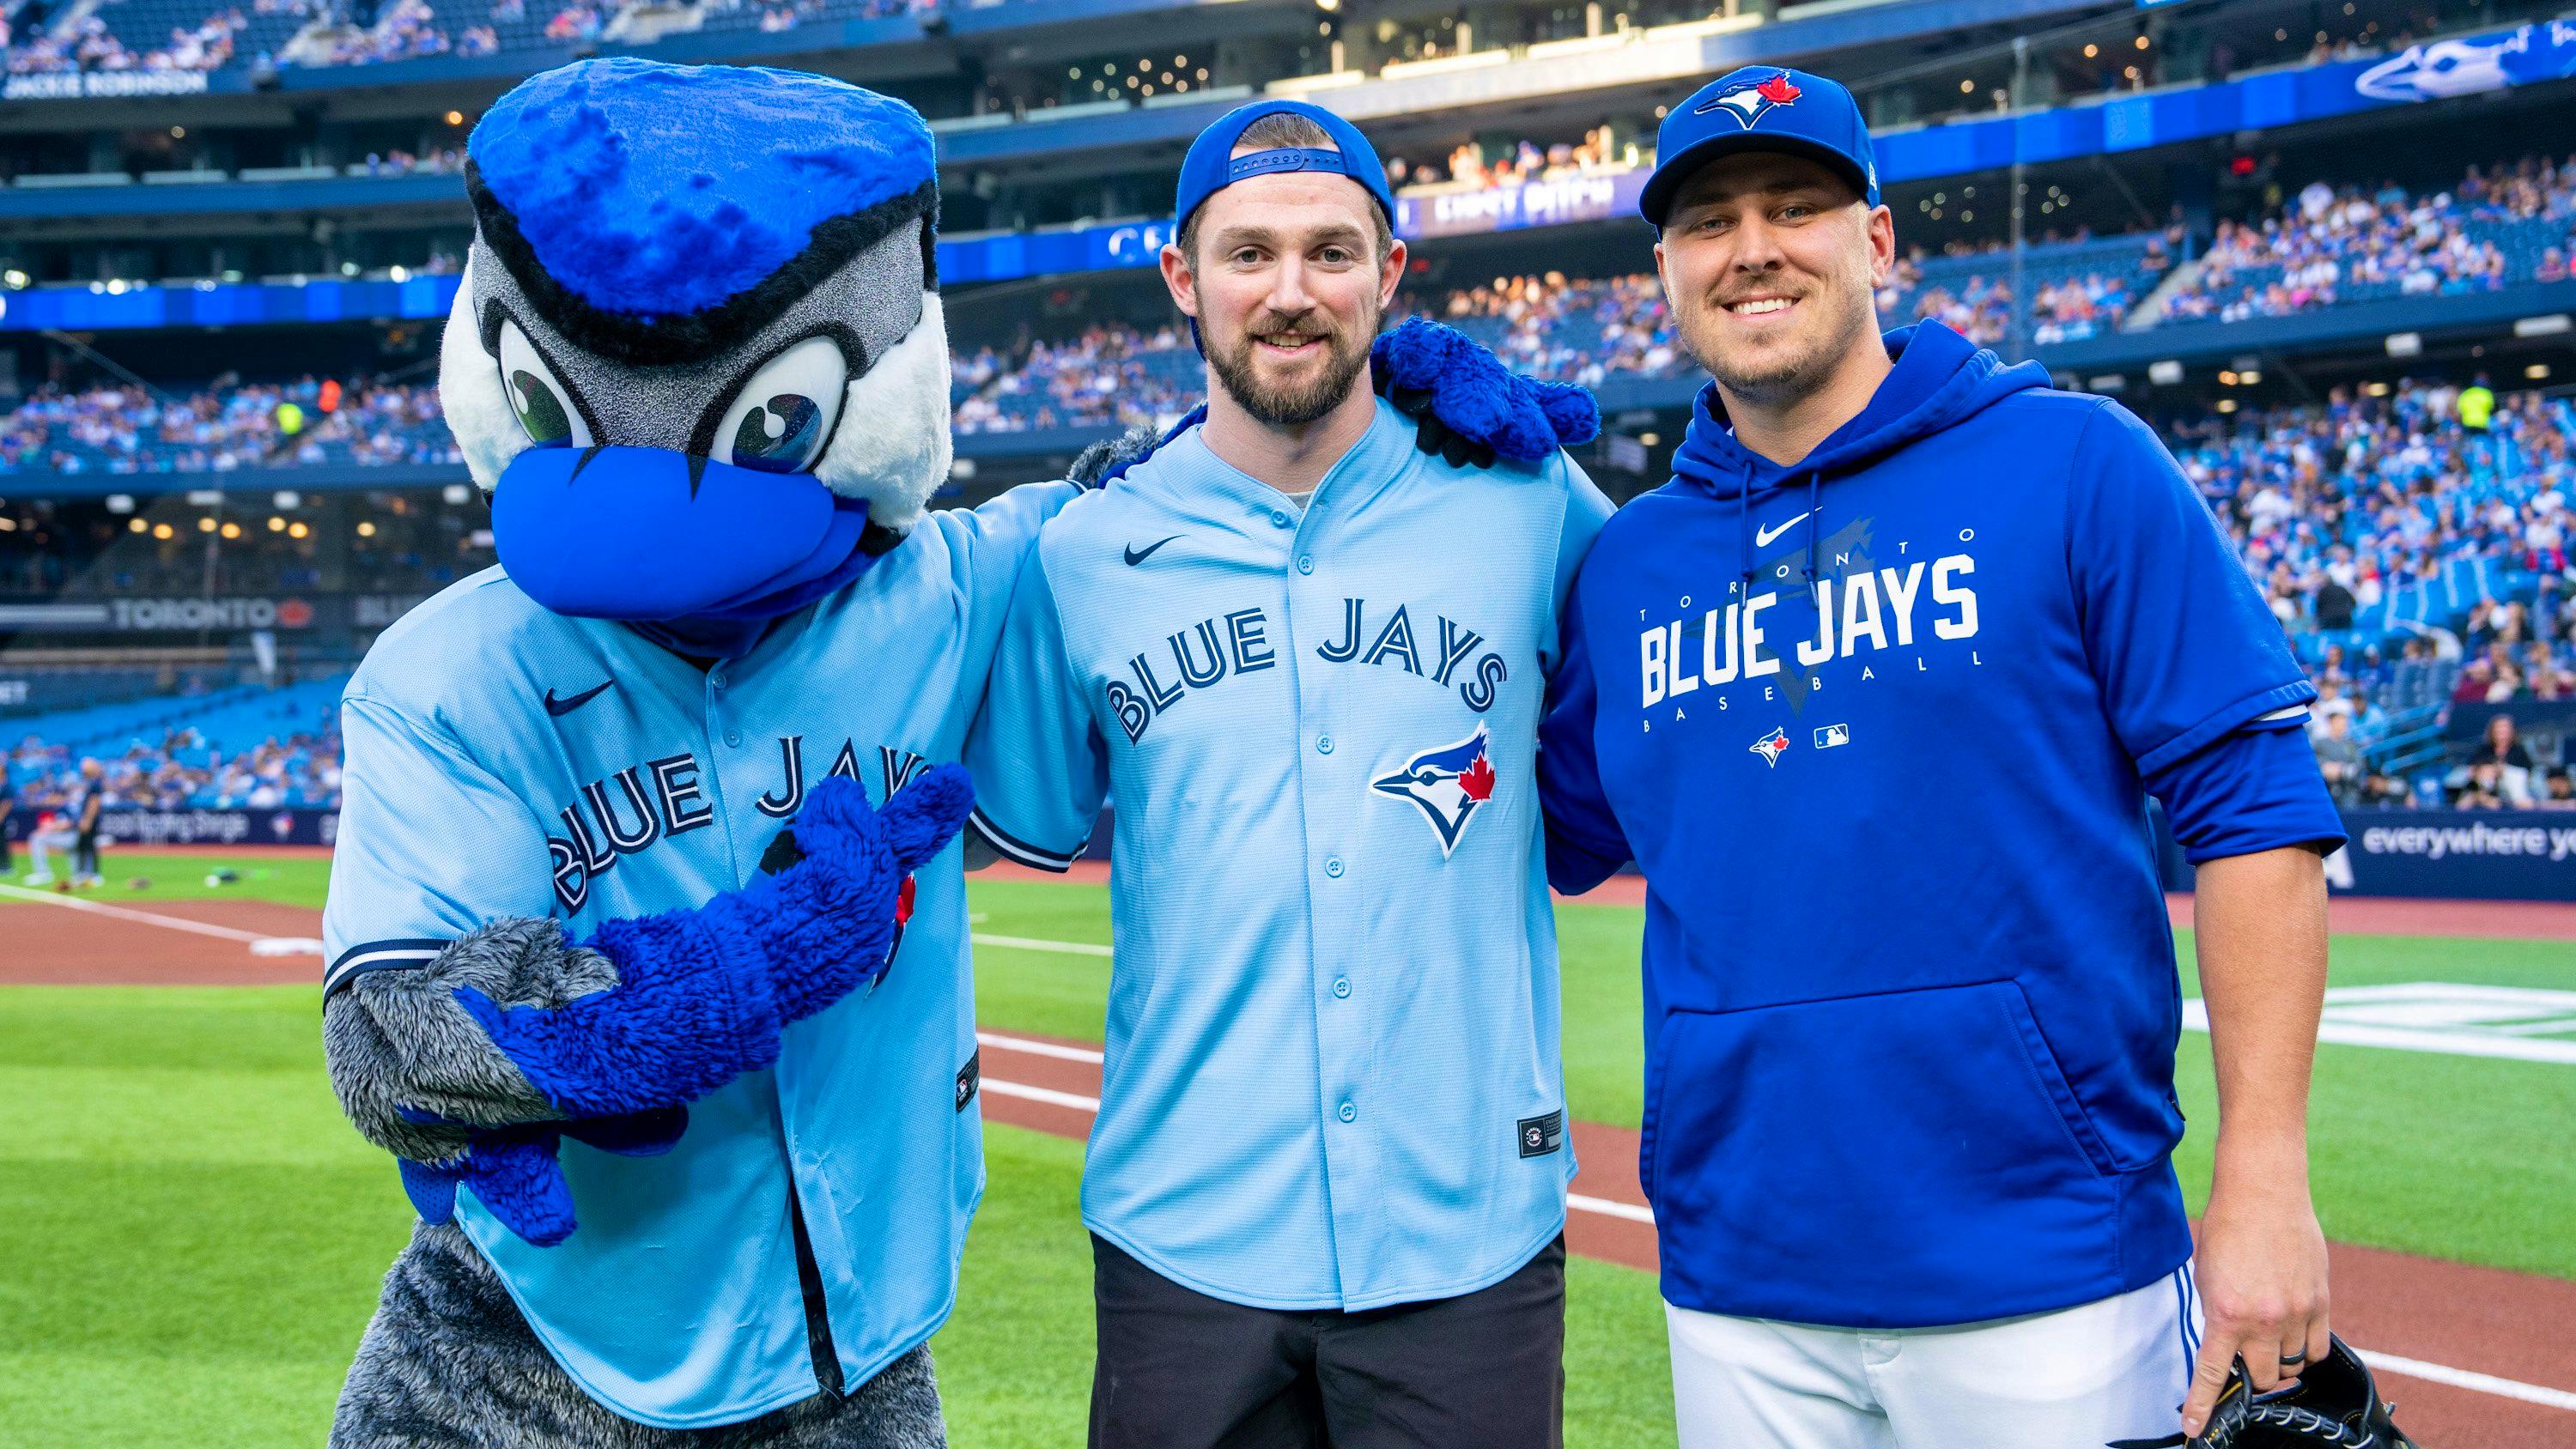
column 647, row 921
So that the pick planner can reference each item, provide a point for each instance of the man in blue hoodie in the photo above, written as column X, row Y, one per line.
column 1875, row 692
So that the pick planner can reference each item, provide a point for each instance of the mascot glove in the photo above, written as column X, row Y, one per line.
column 1470, row 409
column 702, row 994
column 516, row 1175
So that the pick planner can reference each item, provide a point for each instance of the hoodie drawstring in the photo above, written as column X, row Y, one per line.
column 1744, row 528
column 1815, row 483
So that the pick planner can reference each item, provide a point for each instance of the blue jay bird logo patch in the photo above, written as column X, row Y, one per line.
column 1447, row 784
column 1747, row 103
column 1771, row 746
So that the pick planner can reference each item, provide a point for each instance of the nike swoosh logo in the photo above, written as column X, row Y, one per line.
column 1762, row 536
column 1137, row 555
column 561, row 707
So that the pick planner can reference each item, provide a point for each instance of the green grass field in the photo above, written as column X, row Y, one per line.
column 194, row 1237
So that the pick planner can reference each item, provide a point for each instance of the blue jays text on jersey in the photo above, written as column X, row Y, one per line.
column 1333, row 1003
column 1239, row 643
column 481, row 783
column 664, row 798
column 1877, row 727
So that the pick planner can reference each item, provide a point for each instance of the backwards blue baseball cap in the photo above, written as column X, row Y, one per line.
column 1760, row 108
column 1212, row 165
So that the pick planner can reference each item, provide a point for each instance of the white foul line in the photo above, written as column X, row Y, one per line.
column 226, row 933
column 1032, row 943
column 2465, row 1379
column 1632, row 1212
column 1037, row 1048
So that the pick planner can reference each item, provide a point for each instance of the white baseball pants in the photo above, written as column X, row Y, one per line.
column 2076, row 1378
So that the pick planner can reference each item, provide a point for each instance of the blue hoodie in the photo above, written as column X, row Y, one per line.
column 1879, row 727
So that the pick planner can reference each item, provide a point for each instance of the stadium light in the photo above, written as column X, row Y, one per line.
column 287, row 500
column 139, row 526
column 2249, row 376
column 14, row 278
column 8, row 525
column 2546, row 325
column 366, row 529
column 205, row 525
column 2226, row 405
column 164, row 532
column 2165, row 373
column 456, row 118
column 399, row 274
column 120, row 503
column 2405, row 344
column 232, row 530
column 2537, row 371
column 456, row 493
column 297, row 530
column 2226, row 379
column 276, row 524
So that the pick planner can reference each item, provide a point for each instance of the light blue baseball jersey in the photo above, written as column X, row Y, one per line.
column 505, row 761
column 1332, row 1077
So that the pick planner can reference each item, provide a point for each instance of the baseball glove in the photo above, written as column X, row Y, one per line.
column 2335, row 1405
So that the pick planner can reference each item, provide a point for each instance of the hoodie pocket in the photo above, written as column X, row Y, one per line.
column 1873, row 1159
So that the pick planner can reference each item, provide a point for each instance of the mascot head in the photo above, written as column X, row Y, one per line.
column 697, row 359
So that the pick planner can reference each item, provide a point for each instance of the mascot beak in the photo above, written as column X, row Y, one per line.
column 649, row 533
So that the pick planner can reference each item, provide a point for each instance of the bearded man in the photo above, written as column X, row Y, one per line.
column 1305, row 656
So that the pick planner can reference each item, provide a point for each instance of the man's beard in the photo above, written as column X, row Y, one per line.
column 1298, row 404
column 1791, row 373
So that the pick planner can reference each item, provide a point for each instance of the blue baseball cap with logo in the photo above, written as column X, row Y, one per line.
column 1212, row 165
column 1760, row 108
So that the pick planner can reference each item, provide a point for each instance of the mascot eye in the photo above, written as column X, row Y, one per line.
column 781, row 420
column 543, row 406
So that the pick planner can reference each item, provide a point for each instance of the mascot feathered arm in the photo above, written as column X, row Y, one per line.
column 473, row 1067
column 1470, row 409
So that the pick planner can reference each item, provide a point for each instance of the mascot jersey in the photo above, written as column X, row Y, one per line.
column 708, row 429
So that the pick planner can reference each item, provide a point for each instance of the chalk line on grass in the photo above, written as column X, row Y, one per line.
column 260, row 945
column 1032, row 943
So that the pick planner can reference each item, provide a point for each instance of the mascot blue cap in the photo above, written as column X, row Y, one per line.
column 698, row 361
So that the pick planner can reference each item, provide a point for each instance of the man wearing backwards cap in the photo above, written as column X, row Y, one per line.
column 1306, row 660
column 1874, row 692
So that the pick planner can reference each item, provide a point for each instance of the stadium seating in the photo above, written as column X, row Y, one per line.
column 243, row 747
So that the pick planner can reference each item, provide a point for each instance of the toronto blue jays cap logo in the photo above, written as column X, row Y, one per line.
column 1771, row 746
column 1448, row 784
column 1747, row 103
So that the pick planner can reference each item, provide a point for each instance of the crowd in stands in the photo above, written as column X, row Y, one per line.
column 1467, row 167
column 2331, row 245
column 87, row 44
column 181, row 769
column 230, row 425
column 2360, row 518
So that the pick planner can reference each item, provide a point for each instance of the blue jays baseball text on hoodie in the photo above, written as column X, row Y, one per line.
column 1879, row 728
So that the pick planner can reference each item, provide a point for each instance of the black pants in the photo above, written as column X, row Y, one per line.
column 85, row 852
column 1181, row 1370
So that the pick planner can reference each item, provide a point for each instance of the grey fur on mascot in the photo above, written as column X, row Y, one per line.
column 647, row 922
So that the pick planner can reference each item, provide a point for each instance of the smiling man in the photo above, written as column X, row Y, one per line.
column 1305, row 659
column 1874, row 692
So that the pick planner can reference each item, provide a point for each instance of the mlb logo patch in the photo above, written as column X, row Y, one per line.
column 1832, row 735
column 1748, row 104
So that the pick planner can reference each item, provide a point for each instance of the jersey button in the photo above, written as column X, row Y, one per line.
column 1349, row 1113
column 1279, row 518
column 1305, row 563
column 734, row 738
column 1342, row 986
column 715, row 679
column 1324, row 745
column 1333, row 867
